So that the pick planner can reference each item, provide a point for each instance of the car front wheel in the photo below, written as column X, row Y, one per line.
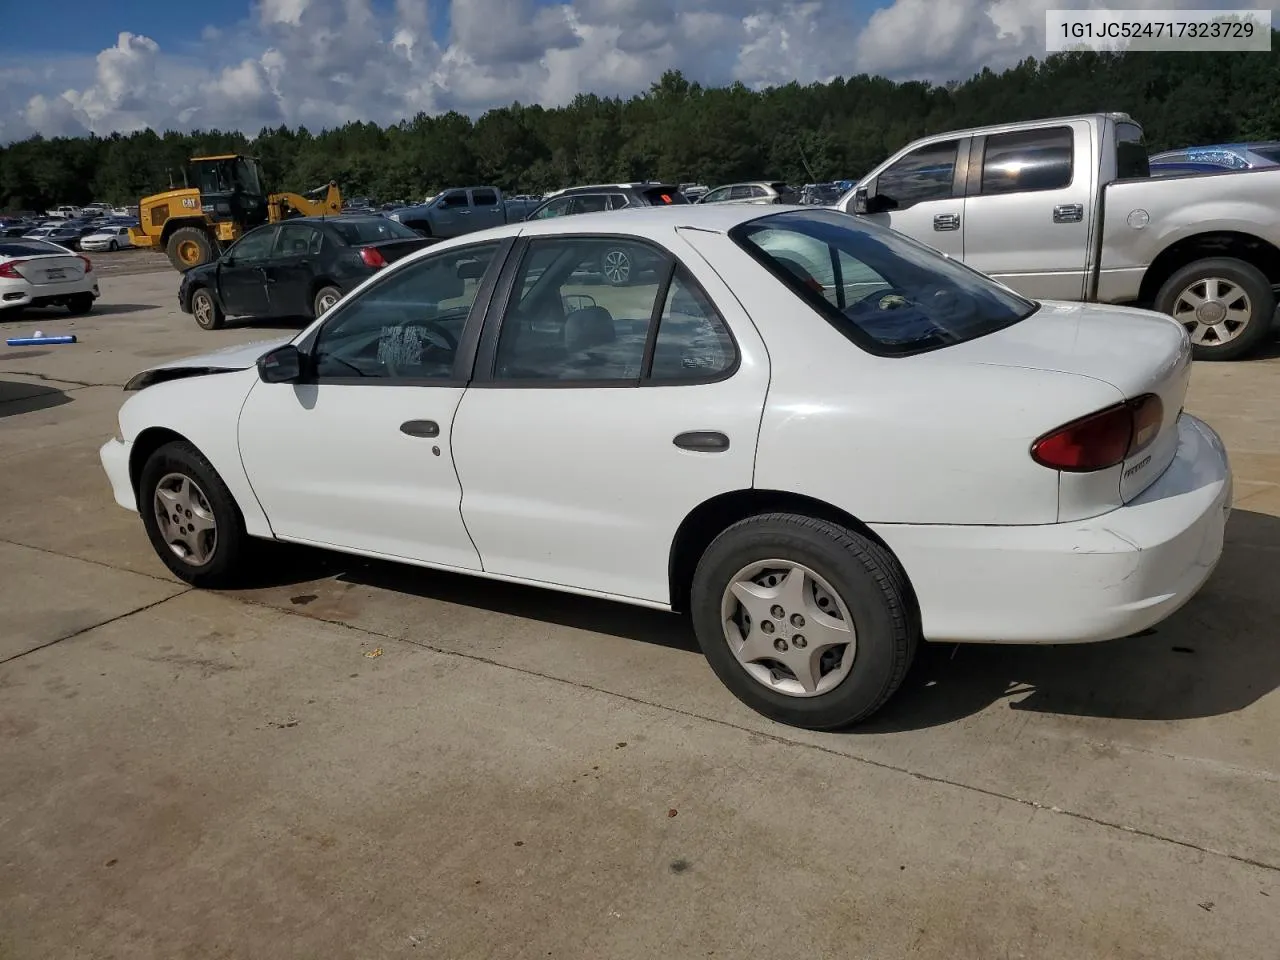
column 206, row 310
column 809, row 623
column 191, row 517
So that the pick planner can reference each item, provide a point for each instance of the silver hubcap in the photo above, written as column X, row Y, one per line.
column 186, row 519
column 204, row 310
column 788, row 628
column 1214, row 311
column 617, row 266
column 327, row 301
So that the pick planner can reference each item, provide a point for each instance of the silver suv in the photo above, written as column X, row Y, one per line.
column 757, row 191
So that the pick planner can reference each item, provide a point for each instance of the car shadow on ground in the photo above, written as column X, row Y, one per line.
column 17, row 397
column 1215, row 656
column 285, row 324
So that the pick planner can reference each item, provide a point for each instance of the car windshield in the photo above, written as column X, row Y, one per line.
column 886, row 292
column 27, row 248
column 356, row 232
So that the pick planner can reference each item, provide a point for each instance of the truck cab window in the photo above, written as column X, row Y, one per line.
column 923, row 174
column 1028, row 160
column 1132, row 161
column 454, row 198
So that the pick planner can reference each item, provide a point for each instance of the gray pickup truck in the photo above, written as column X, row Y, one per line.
column 1066, row 209
column 451, row 213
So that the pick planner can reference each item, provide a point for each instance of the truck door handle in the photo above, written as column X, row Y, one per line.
column 946, row 221
column 702, row 441
column 420, row 428
column 465, row 211
column 1068, row 213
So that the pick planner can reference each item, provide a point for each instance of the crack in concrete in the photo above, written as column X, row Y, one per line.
column 45, row 378
column 83, row 630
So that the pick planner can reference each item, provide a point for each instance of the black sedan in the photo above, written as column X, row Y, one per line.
column 299, row 268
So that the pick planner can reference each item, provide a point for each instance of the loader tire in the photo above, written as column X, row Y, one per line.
column 189, row 247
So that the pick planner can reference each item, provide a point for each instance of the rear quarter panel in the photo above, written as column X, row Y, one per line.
column 1142, row 218
column 925, row 439
column 206, row 411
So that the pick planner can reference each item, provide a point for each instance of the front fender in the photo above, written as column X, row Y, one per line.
column 204, row 410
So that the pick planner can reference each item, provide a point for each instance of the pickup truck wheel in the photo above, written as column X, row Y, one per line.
column 1226, row 306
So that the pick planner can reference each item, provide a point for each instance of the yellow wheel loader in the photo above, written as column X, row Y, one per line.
column 193, row 225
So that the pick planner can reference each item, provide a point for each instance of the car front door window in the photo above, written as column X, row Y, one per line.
column 253, row 247
column 406, row 327
column 924, row 174
column 556, row 208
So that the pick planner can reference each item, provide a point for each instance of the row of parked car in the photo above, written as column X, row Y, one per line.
column 80, row 233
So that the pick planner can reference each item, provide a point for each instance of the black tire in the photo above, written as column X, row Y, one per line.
column 229, row 561
column 1249, row 279
column 868, row 579
column 617, row 266
column 80, row 304
column 317, row 307
column 113, row 246
column 204, row 308
column 188, row 235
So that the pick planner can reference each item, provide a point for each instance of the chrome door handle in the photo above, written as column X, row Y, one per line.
column 1068, row 213
column 946, row 221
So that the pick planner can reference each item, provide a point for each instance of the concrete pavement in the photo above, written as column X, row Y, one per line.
column 190, row 774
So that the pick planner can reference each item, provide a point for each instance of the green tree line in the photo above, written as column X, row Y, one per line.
column 677, row 130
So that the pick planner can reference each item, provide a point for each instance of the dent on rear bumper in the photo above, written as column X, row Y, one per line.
column 1097, row 579
column 114, row 455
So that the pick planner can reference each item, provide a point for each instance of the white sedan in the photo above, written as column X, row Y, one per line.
column 820, row 439
column 37, row 273
column 111, row 237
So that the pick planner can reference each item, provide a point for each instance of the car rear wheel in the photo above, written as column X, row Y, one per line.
column 1226, row 305
column 206, row 310
column 326, row 297
column 80, row 303
column 191, row 517
column 808, row 623
column 616, row 267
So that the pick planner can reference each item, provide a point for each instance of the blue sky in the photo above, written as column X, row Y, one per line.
column 122, row 65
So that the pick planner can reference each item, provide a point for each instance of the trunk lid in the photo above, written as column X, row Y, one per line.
column 1135, row 351
column 393, row 250
column 52, row 269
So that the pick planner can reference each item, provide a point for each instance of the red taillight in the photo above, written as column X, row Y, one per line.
column 372, row 258
column 88, row 264
column 10, row 270
column 1103, row 439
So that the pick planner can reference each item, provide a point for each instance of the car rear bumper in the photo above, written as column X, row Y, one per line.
column 24, row 294
column 114, row 455
column 1098, row 579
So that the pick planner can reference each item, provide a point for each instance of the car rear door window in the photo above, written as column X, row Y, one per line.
column 693, row 344
column 590, row 203
column 296, row 240
column 407, row 326
column 740, row 193
column 484, row 198
column 1028, row 160
column 566, row 327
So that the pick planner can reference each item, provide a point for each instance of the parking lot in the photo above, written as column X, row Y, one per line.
column 354, row 759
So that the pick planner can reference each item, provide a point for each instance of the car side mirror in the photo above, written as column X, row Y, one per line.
column 861, row 201
column 281, row 365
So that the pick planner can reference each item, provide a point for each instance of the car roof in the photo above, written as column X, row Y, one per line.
column 643, row 222
column 610, row 188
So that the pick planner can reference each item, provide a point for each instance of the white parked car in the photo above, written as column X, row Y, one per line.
column 820, row 474
column 112, row 237
column 37, row 273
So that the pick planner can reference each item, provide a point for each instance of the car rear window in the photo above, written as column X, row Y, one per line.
column 662, row 196
column 889, row 294
column 357, row 232
column 27, row 248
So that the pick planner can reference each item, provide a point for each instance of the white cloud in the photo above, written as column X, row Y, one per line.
column 324, row 62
